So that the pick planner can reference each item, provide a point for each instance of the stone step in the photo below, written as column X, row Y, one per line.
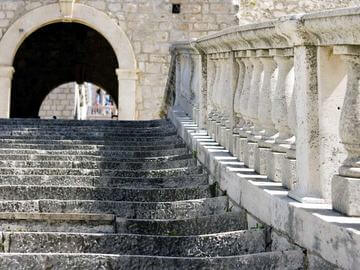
column 222, row 244
column 55, row 222
column 90, row 133
column 103, row 194
column 92, row 147
column 285, row 260
column 130, row 142
column 181, row 227
column 103, row 172
column 76, row 123
column 109, row 153
column 149, row 165
column 112, row 140
column 90, row 158
column 97, row 181
column 101, row 129
column 124, row 209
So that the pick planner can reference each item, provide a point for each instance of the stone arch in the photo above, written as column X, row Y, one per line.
column 79, row 13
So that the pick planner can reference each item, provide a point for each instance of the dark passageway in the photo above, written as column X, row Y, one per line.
column 57, row 54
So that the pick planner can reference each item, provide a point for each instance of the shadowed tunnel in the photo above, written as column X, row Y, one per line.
column 56, row 54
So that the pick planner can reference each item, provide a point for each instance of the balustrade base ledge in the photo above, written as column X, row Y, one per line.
column 315, row 227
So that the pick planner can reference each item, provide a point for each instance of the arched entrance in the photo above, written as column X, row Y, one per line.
column 88, row 17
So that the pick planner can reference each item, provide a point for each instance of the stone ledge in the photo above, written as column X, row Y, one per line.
column 316, row 227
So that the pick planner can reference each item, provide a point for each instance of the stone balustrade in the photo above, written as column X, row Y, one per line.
column 283, row 96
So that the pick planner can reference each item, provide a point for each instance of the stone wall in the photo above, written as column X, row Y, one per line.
column 151, row 28
column 59, row 103
column 251, row 11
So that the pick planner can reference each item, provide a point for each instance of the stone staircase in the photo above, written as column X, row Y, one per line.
column 117, row 195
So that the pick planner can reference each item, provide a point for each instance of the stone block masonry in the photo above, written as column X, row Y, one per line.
column 60, row 103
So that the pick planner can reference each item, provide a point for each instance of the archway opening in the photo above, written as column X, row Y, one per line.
column 82, row 102
column 56, row 54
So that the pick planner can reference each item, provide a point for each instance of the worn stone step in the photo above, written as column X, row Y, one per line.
column 91, row 158
column 115, row 140
column 55, row 222
column 286, row 260
column 101, row 193
column 103, row 172
column 191, row 180
column 100, row 130
column 109, row 153
column 78, row 134
column 222, row 244
column 124, row 209
column 92, row 147
column 165, row 125
column 76, row 123
column 181, row 227
column 130, row 142
column 149, row 165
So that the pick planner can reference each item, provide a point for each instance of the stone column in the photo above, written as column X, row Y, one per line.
column 127, row 94
column 308, row 186
column 6, row 74
column 346, row 185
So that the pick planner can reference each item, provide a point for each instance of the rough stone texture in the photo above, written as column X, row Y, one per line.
column 251, row 11
column 271, row 260
column 60, row 103
column 232, row 243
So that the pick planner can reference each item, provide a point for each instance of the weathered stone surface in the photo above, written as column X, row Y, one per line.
column 194, row 226
column 222, row 244
column 103, row 194
column 290, row 260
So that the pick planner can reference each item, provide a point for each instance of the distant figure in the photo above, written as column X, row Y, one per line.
column 54, row 117
column 98, row 101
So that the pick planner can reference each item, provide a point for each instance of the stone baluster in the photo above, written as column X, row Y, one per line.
column 266, row 137
column 228, row 100
column 178, row 79
column 195, row 85
column 245, row 94
column 211, row 72
column 253, row 108
column 244, row 100
column 346, row 185
column 219, row 96
column 281, row 104
column 239, row 121
column 282, row 95
column 215, row 89
column 253, row 105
